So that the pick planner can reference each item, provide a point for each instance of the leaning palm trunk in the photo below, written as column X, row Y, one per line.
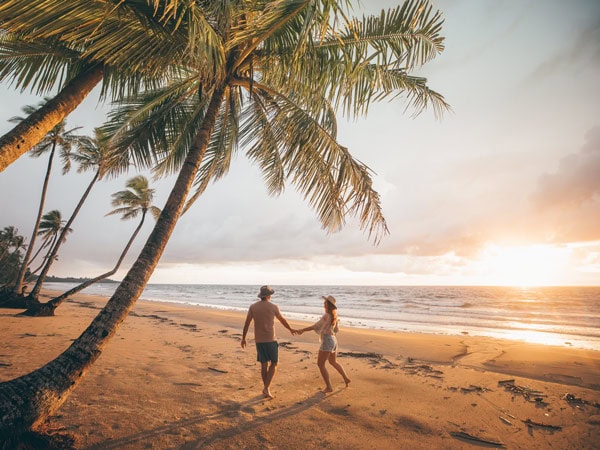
column 50, row 246
column 29, row 132
column 28, row 400
column 47, row 309
column 21, row 276
column 52, row 256
column 45, row 244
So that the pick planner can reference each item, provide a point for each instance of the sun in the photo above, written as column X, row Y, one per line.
column 531, row 265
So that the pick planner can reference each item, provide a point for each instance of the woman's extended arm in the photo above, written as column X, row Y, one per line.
column 317, row 326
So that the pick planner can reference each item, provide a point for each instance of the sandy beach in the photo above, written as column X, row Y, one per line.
column 175, row 377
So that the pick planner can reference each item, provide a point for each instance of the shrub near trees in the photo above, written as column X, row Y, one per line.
column 11, row 246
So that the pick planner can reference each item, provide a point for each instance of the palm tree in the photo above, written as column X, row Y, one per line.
column 51, row 227
column 48, row 230
column 59, row 138
column 135, row 201
column 126, row 45
column 91, row 154
column 294, row 68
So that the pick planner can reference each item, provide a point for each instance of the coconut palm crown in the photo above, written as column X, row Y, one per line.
column 135, row 200
column 284, row 76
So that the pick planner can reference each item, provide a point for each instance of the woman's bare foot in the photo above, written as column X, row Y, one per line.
column 267, row 393
column 347, row 381
column 327, row 390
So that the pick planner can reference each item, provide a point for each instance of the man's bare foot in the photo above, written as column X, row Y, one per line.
column 327, row 390
column 347, row 381
column 267, row 393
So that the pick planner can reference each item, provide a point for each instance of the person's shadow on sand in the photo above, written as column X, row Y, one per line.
column 227, row 410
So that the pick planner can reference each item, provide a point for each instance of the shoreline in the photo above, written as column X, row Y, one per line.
column 175, row 377
column 575, row 335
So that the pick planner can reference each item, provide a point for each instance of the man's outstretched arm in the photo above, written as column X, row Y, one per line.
column 285, row 323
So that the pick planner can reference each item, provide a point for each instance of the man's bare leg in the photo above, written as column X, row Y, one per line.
column 268, row 372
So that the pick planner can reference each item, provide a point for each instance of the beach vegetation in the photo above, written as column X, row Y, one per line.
column 11, row 245
column 286, row 69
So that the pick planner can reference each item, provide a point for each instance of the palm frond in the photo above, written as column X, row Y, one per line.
column 367, row 61
column 261, row 140
column 333, row 182
column 222, row 146
column 403, row 37
column 41, row 65
column 258, row 24
column 134, row 39
column 155, row 211
column 148, row 126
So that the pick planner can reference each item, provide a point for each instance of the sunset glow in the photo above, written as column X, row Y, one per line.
column 535, row 337
column 535, row 265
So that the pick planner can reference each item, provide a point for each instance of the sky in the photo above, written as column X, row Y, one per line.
column 502, row 190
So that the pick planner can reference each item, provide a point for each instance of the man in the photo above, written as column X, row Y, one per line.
column 263, row 313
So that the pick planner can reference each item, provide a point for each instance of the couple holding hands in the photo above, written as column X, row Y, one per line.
column 264, row 312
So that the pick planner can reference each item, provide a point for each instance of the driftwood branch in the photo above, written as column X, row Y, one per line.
column 472, row 438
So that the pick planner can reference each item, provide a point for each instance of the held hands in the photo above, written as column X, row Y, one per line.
column 296, row 332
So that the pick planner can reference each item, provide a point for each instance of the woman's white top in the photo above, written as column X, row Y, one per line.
column 325, row 326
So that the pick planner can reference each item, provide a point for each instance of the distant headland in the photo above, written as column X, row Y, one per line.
column 75, row 280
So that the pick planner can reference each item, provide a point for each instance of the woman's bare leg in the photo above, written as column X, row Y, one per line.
column 337, row 366
column 323, row 356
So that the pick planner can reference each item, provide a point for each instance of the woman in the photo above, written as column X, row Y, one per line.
column 326, row 328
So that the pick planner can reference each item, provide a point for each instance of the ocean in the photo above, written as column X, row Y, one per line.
column 565, row 316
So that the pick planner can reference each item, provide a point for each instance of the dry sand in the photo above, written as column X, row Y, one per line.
column 175, row 377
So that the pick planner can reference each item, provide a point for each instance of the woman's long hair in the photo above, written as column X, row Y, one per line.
column 332, row 309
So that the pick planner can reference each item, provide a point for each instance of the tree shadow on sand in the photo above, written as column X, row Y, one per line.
column 228, row 410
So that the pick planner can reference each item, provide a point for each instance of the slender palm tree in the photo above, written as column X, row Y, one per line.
column 135, row 201
column 76, row 44
column 58, row 138
column 92, row 153
column 48, row 230
column 51, row 227
column 287, row 65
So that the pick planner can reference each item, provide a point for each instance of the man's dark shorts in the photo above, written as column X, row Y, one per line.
column 267, row 351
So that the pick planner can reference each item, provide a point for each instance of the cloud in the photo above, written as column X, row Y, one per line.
column 584, row 49
column 569, row 199
column 577, row 179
